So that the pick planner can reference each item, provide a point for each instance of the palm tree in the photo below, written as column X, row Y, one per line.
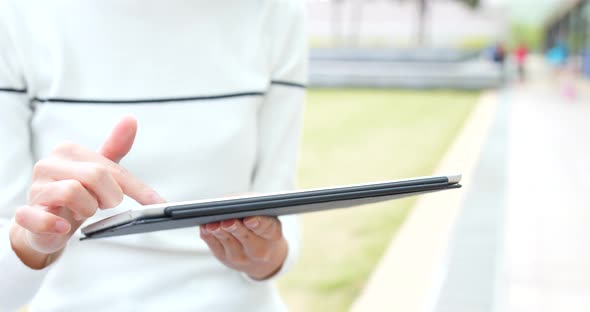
column 422, row 15
column 421, row 21
column 336, row 18
column 471, row 3
column 357, row 21
column 422, row 11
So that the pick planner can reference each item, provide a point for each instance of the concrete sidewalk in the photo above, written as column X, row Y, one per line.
column 518, row 238
column 521, row 240
column 547, row 238
column 474, row 253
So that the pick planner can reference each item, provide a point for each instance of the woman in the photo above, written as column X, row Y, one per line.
column 217, row 90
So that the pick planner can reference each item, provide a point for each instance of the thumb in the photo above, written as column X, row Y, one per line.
column 120, row 141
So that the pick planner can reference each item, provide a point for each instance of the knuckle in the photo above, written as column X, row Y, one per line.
column 98, row 177
column 41, row 168
column 120, row 170
column 232, row 227
column 76, row 187
column 71, row 189
column 96, row 174
column 71, row 197
column 36, row 189
column 100, row 171
column 243, row 235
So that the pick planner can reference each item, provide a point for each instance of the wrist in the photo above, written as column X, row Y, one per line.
column 33, row 259
column 274, row 264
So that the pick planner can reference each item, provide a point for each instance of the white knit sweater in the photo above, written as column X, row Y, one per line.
column 217, row 88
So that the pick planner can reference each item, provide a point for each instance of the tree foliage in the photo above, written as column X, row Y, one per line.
column 471, row 3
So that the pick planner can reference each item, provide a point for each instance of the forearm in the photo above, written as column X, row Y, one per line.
column 274, row 265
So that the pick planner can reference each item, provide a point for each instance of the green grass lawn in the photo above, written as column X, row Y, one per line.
column 353, row 136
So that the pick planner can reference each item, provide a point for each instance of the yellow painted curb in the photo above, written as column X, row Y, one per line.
column 405, row 277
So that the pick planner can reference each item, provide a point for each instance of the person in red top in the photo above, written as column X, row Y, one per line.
column 521, row 54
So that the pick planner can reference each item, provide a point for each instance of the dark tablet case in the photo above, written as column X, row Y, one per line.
column 188, row 215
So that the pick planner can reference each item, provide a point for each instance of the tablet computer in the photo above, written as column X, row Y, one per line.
column 186, row 214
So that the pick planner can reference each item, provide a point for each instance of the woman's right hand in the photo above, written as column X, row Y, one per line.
column 68, row 187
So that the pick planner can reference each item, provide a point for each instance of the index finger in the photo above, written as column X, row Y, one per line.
column 131, row 185
column 120, row 140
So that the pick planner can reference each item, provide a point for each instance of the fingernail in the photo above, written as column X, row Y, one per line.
column 212, row 227
column 252, row 223
column 229, row 225
column 62, row 227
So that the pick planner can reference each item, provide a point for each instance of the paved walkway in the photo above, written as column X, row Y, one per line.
column 547, row 240
column 474, row 252
column 521, row 240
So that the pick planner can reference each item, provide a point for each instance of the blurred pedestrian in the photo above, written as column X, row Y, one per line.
column 499, row 57
column 557, row 56
column 520, row 55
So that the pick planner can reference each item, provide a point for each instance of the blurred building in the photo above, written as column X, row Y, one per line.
column 570, row 24
column 387, row 23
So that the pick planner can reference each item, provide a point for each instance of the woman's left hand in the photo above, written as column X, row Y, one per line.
column 254, row 245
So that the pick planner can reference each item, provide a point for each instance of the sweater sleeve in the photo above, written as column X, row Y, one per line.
column 18, row 283
column 280, row 117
